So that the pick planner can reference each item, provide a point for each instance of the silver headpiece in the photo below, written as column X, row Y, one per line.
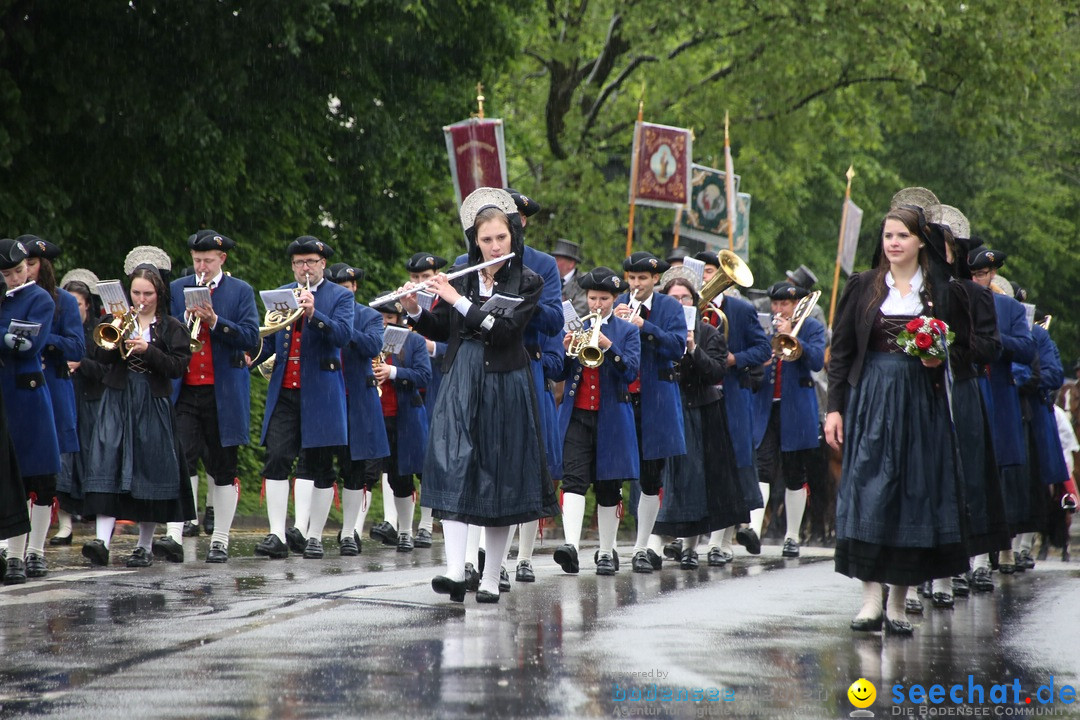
column 680, row 271
column 920, row 197
column 481, row 198
column 147, row 255
column 81, row 275
column 948, row 215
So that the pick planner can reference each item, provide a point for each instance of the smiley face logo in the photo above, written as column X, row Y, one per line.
column 862, row 693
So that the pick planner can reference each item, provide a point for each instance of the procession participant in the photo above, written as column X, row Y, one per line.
column 23, row 386
column 485, row 465
column 402, row 376
column 213, row 397
column 748, row 350
column 567, row 256
column 1064, row 496
column 701, row 488
column 676, row 256
column 134, row 466
column 596, row 423
column 305, row 402
column 1003, row 400
column 898, row 516
column 786, row 417
column 64, row 343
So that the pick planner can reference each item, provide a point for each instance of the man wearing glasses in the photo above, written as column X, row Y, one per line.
column 305, row 402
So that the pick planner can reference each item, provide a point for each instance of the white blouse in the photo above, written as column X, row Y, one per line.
column 897, row 304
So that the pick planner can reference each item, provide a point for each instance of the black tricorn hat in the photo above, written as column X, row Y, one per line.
column 343, row 272
column 393, row 306
column 567, row 248
column 210, row 240
column 709, row 258
column 677, row 254
column 422, row 261
column 786, row 291
column 602, row 278
column 525, row 205
column 802, row 276
column 12, row 252
column 36, row 247
column 983, row 257
column 306, row 244
column 642, row 261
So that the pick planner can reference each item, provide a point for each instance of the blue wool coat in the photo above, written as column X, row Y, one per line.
column 236, row 332
column 413, row 374
column 367, row 432
column 26, row 396
column 798, row 398
column 999, row 391
column 66, row 342
column 663, row 342
column 750, row 346
column 1051, row 458
column 323, row 420
column 616, row 437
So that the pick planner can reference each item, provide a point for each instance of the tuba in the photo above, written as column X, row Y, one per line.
column 787, row 347
column 111, row 335
column 585, row 344
column 732, row 271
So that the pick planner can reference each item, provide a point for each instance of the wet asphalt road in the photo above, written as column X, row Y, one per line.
column 366, row 637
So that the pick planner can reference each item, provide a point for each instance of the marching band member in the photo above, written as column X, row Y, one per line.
column 64, row 343
column 786, row 417
column 567, row 256
column 305, row 402
column 701, row 488
column 898, row 518
column 485, row 465
column 596, row 422
column 213, row 398
column 748, row 350
column 403, row 376
column 1002, row 398
column 655, row 394
column 134, row 466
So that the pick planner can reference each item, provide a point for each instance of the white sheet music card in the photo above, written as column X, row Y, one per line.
column 425, row 299
column 765, row 321
column 24, row 329
column 281, row 299
column 196, row 297
column 113, row 297
column 1029, row 313
column 571, row 321
column 697, row 267
column 499, row 305
column 394, row 339
column 690, row 312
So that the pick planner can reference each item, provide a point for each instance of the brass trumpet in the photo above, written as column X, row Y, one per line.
column 111, row 335
column 585, row 344
column 787, row 347
column 1045, row 323
column 376, row 363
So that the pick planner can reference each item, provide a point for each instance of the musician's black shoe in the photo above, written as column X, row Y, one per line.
column 566, row 557
column 504, row 580
column 605, row 565
column 900, row 628
column 191, row 529
column 16, row 572
column 866, row 624
column 640, row 563
column 1025, row 560
column 140, row 558
column 1006, row 568
column 445, row 586
column 313, row 550
column 295, row 539
column 166, row 547
column 35, row 566
column 791, row 549
column 272, row 547
column 423, row 538
column 472, row 578
column 525, row 572
column 749, row 539
column 960, row 585
column 688, row 560
column 943, row 601
column 404, row 543
column 655, row 560
column 208, row 521
column 60, row 539
column 348, row 547
column 913, row 605
column 483, row 596
column 384, row 532
column 218, row 552
column 716, row 558
column 673, row 549
column 96, row 552
column 981, row 581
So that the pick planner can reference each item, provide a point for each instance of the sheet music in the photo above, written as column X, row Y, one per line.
column 571, row 321
column 394, row 337
column 499, row 305
column 281, row 299
column 196, row 296
column 690, row 312
column 698, row 268
column 1029, row 313
column 425, row 299
column 24, row 329
column 765, row 321
column 113, row 297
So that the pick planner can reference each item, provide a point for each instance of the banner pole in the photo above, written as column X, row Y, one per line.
column 840, row 245
column 480, row 100
column 633, row 176
column 729, row 187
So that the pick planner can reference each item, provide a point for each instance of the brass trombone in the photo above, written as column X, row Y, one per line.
column 585, row 344
column 787, row 346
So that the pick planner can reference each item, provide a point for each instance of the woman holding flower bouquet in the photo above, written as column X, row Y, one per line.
column 898, row 513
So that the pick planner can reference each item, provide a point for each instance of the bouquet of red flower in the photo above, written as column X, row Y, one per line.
column 925, row 337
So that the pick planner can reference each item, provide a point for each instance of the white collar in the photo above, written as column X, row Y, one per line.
column 916, row 281
column 569, row 276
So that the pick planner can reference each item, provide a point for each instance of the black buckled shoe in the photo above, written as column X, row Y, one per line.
column 867, row 624
column 423, row 538
column 96, row 552
column 791, row 549
column 35, row 566
column 567, row 558
column 272, row 547
column 673, row 549
column 218, row 552
column 749, row 539
column 655, row 560
column 960, row 586
column 614, row 558
column 295, row 539
column 913, row 605
column 981, row 580
column 208, row 521
column 504, row 580
column 1025, row 561
column 716, row 558
column 525, row 572
column 191, row 529
column 60, row 539
column 404, row 542
column 483, row 596
column 348, row 547
column 140, row 557
column 445, row 586
column 900, row 628
column 688, row 560
column 943, row 601
column 313, row 550
column 385, row 533
column 166, row 547
column 1006, row 568
column 640, row 563
column 472, row 578
column 16, row 572
column 605, row 565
